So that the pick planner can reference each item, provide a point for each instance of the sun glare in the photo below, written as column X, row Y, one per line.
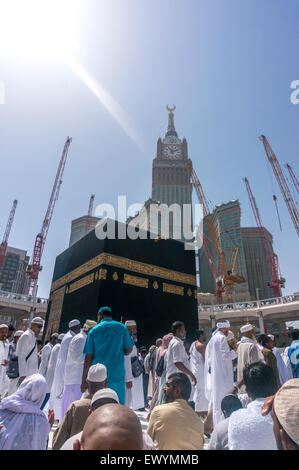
column 37, row 28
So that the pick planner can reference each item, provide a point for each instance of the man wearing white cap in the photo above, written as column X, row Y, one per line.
column 134, row 382
column 50, row 375
column 74, row 367
column 4, row 347
column 58, row 382
column 248, row 350
column 27, row 349
column 77, row 413
column 218, row 369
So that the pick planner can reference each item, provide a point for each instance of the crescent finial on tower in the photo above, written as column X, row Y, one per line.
column 171, row 109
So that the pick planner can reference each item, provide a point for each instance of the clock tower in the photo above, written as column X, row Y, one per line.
column 171, row 176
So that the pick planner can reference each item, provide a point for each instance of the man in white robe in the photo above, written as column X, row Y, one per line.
column 4, row 347
column 53, row 403
column 284, row 373
column 11, row 356
column 134, row 398
column 197, row 366
column 218, row 370
column 45, row 354
column 58, row 382
column 27, row 349
column 74, row 367
column 248, row 350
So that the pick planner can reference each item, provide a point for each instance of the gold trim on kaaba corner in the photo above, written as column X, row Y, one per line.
column 81, row 283
column 172, row 289
column 155, row 285
column 55, row 309
column 135, row 281
column 125, row 264
column 115, row 276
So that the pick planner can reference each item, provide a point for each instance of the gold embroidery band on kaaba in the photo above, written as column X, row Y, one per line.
column 135, row 281
column 81, row 283
column 172, row 289
column 126, row 264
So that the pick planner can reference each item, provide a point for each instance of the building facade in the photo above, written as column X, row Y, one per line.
column 257, row 267
column 78, row 228
column 226, row 221
column 13, row 273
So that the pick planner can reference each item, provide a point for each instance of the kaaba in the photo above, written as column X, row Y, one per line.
column 151, row 281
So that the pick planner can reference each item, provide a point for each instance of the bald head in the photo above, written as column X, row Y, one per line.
column 112, row 427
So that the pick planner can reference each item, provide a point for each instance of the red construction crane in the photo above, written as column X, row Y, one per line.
column 223, row 274
column 88, row 221
column 282, row 183
column 293, row 176
column 35, row 267
column 3, row 246
column 276, row 280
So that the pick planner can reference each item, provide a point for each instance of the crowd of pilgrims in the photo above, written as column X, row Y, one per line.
column 91, row 388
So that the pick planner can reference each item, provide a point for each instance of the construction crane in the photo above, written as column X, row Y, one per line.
column 276, row 280
column 282, row 183
column 3, row 246
column 35, row 267
column 223, row 276
column 88, row 221
column 293, row 176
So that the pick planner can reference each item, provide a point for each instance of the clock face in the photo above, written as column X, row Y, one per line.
column 172, row 151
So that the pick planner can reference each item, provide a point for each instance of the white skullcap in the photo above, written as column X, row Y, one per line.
column 18, row 333
column 130, row 323
column 38, row 320
column 271, row 336
column 230, row 335
column 61, row 336
column 89, row 324
column 104, row 393
column 97, row 373
column 3, row 326
column 224, row 324
column 73, row 323
column 246, row 328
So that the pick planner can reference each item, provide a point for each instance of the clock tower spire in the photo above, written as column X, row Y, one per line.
column 171, row 129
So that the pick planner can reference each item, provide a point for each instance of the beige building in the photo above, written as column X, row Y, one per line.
column 79, row 225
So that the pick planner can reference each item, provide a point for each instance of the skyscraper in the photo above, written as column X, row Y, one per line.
column 13, row 273
column 79, row 227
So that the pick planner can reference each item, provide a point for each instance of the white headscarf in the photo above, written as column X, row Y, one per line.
column 25, row 424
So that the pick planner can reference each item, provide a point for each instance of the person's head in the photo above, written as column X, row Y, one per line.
column 285, row 415
column 104, row 312
column 158, row 342
column 259, row 380
column 229, row 404
column 17, row 336
column 37, row 325
column 32, row 389
column 201, row 335
column 11, row 330
column 103, row 397
column 143, row 351
column 54, row 339
column 132, row 327
column 230, row 337
column 272, row 341
column 60, row 337
column 111, row 427
column 177, row 386
column 3, row 332
column 75, row 326
column 260, row 338
column 248, row 331
column 224, row 327
column 267, row 342
column 295, row 335
column 89, row 325
column 96, row 378
column 178, row 329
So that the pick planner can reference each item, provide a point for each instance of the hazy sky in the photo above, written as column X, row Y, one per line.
column 226, row 64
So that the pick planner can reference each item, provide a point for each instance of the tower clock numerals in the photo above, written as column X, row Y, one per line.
column 172, row 151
